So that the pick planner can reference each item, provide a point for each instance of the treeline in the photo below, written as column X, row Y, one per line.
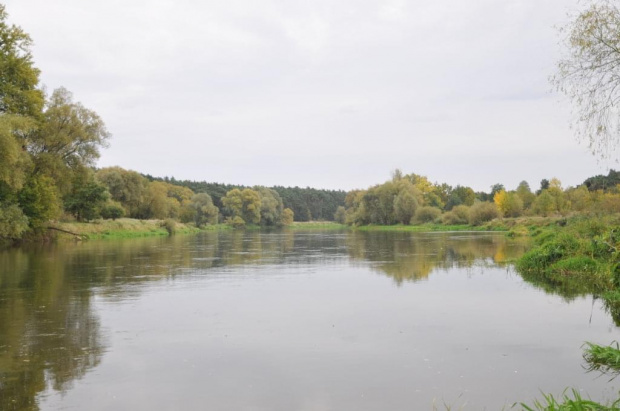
column 137, row 196
column 413, row 199
column 307, row 204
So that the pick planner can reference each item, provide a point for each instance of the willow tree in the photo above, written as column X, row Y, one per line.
column 589, row 75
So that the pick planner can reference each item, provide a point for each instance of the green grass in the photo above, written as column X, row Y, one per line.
column 605, row 359
column 127, row 228
column 569, row 403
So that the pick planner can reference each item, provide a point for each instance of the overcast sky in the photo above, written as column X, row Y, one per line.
column 321, row 93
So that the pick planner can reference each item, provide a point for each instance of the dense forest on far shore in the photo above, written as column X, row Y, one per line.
column 307, row 204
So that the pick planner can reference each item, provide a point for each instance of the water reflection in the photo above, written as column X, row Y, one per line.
column 406, row 257
column 50, row 333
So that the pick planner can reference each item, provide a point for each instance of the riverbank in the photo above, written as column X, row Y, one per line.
column 125, row 228
column 579, row 256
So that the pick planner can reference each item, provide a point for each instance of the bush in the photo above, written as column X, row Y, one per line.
column 482, row 212
column 112, row 211
column 458, row 215
column 236, row 222
column 553, row 249
column 426, row 215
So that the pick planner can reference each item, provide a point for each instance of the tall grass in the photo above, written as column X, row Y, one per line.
column 568, row 403
column 605, row 359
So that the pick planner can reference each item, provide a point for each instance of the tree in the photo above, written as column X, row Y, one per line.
column 525, row 193
column 406, row 202
column 125, row 186
column 14, row 161
column 544, row 204
column 19, row 80
column 13, row 222
column 204, row 210
column 340, row 215
column 245, row 204
column 39, row 200
column 287, row 217
column 157, row 204
column 589, row 75
column 466, row 195
column 510, row 204
column 271, row 206
column 495, row 188
column 69, row 138
column 86, row 199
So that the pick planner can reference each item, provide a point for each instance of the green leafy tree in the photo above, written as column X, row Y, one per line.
column 14, row 161
column 544, row 184
column 466, row 194
column 525, row 194
column 68, row 139
column 544, row 204
column 86, row 199
column 13, row 222
column 406, row 202
column 157, row 204
column 287, row 217
column 271, row 206
column 340, row 215
column 379, row 203
column 19, row 80
column 245, row 204
column 125, row 186
column 39, row 200
column 204, row 210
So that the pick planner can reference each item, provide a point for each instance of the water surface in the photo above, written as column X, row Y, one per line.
column 288, row 321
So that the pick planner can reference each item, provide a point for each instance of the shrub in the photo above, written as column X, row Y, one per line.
column 458, row 215
column 112, row 211
column 426, row 215
column 236, row 222
column 482, row 212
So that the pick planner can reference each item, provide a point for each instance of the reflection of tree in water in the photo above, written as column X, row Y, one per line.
column 50, row 335
column 407, row 257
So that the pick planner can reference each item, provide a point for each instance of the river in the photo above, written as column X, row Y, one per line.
column 289, row 321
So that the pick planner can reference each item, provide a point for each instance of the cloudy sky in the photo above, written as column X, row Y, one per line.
column 321, row 93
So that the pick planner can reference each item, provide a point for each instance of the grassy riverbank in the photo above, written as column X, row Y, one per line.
column 126, row 228
column 578, row 256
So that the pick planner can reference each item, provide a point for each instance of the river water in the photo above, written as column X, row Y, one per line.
column 288, row 321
